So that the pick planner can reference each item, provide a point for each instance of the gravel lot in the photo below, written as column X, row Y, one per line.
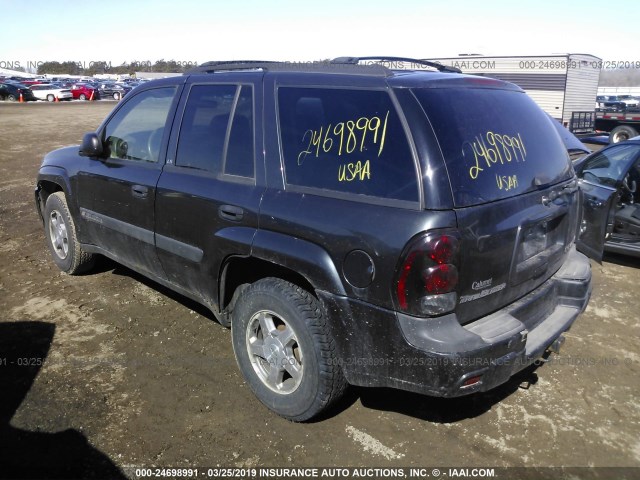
column 112, row 371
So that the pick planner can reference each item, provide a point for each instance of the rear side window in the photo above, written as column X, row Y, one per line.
column 496, row 143
column 216, row 134
column 345, row 140
column 239, row 158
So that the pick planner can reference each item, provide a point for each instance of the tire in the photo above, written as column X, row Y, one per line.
column 116, row 96
column 82, row 96
column 313, row 380
column 50, row 98
column 11, row 98
column 622, row 133
column 60, row 234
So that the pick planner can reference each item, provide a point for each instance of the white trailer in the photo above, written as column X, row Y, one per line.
column 564, row 85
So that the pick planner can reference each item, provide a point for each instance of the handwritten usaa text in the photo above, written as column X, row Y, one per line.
column 494, row 150
column 345, row 138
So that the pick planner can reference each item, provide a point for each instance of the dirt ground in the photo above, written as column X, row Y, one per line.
column 108, row 371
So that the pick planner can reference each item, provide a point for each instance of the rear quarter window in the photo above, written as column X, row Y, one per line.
column 345, row 140
column 496, row 143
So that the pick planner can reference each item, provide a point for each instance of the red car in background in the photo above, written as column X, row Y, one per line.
column 82, row 91
column 28, row 83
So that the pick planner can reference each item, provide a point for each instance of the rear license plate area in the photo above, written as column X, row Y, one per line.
column 540, row 245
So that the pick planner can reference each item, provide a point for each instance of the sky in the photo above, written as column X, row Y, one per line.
column 119, row 31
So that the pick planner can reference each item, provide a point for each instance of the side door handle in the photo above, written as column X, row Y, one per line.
column 595, row 203
column 140, row 191
column 231, row 213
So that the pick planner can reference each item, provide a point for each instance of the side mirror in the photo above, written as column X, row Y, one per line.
column 91, row 146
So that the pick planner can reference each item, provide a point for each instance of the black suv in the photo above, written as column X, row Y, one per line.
column 13, row 91
column 351, row 223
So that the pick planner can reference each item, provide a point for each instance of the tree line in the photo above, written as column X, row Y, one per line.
column 621, row 77
column 100, row 67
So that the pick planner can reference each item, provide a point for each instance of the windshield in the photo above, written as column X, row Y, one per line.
column 496, row 143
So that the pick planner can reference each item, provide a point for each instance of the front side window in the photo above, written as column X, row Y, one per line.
column 135, row 131
column 609, row 166
column 345, row 140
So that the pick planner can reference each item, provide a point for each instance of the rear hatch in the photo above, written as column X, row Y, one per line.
column 513, row 190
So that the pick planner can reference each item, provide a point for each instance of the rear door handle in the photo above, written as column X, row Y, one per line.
column 140, row 191
column 231, row 212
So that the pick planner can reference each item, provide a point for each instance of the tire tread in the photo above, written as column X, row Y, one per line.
column 81, row 261
column 332, row 383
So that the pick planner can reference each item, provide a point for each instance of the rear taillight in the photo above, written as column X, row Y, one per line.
column 427, row 275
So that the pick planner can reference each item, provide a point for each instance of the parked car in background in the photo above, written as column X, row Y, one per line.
column 13, row 81
column 12, row 91
column 134, row 84
column 616, row 102
column 610, row 182
column 85, row 91
column 629, row 100
column 609, row 102
column 61, row 80
column 113, row 90
column 34, row 82
column 51, row 92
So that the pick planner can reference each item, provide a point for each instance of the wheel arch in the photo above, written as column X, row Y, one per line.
column 239, row 272
column 50, row 180
column 277, row 255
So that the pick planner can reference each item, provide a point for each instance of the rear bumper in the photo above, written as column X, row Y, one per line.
column 382, row 348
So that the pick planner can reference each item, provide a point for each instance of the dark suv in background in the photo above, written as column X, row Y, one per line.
column 353, row 224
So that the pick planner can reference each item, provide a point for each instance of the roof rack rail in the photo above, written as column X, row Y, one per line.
column 267, row 65
column 426, row 63
column 213, row 66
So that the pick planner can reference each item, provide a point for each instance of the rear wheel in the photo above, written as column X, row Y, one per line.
column 50, row 98
column 11, row 98
column 60, row 232
column 284, row 349
column 83, row 96
column 622, row 133
column 116, row 96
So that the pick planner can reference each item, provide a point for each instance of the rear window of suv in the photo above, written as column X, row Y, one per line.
column 496, row 143
column 349, row 141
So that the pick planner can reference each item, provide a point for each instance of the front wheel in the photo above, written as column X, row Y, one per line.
column 50, row 98
column 116, row 96
column 284, row 349
column 83, row 96
column 60, row 232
